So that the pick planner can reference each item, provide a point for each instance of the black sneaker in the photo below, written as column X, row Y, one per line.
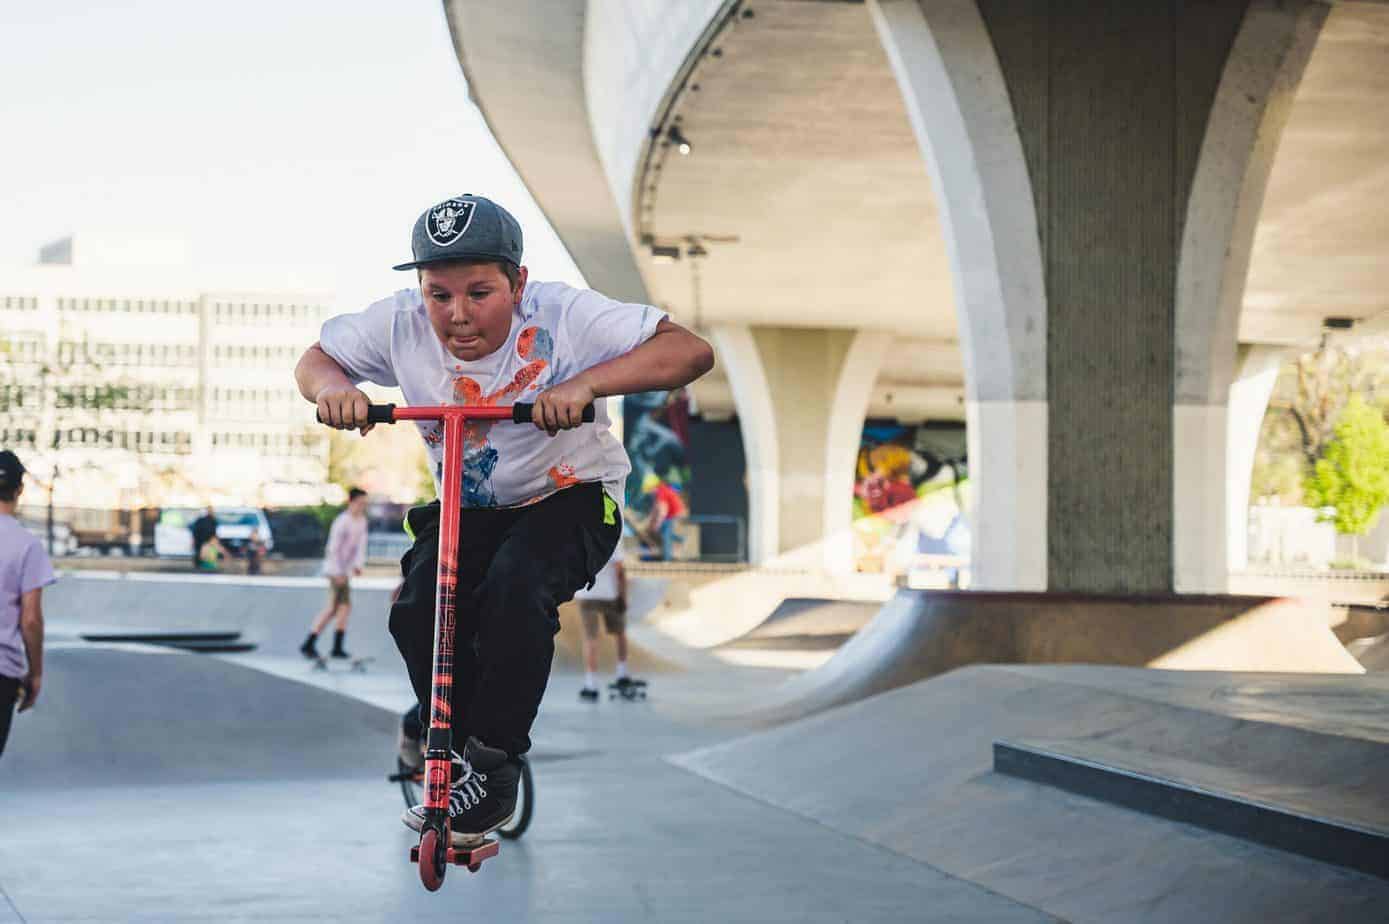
column 482, row 797
column 338, row 653
column 310, row 648
column 588, row 695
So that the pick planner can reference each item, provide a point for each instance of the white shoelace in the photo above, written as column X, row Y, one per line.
column 467, row 790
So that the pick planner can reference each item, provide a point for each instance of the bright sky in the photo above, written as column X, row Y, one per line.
column 296, row 137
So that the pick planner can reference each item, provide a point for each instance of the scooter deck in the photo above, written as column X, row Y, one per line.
column 465, row 856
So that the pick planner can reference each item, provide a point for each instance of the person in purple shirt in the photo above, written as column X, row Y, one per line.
column 24, row 572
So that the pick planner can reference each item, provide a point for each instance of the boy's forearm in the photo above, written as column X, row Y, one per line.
column 672, row 358
column 317, row 370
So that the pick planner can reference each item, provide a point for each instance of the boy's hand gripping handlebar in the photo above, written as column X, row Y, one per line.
column 517, row 413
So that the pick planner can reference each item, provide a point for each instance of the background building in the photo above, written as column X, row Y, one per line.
column 156, row 384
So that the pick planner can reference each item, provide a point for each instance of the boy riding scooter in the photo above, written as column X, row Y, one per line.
column 540, row 510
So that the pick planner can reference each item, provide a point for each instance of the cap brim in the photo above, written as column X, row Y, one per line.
column 477, row 257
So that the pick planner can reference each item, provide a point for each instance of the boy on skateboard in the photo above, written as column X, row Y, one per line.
column 605, row 601
column 540, row 511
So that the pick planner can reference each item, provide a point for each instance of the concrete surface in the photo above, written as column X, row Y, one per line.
column 910, row 771
column 156, row 785
column 923, row 633
column 173, row 803
column 1373, row 653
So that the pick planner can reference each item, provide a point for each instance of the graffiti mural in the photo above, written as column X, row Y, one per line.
column 656, row 432
column 910, row 496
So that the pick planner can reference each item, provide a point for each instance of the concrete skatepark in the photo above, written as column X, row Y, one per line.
column 160, row 784
column 1090, row 232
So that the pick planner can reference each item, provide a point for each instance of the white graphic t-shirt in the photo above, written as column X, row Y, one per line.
column 556, row 332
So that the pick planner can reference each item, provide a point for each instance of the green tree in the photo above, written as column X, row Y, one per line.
column 1352, row 475
column 1303, row 410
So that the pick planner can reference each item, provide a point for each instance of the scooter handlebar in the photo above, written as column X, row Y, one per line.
column 520, row 413
column 376, row 413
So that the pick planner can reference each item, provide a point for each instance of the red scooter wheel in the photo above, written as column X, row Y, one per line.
column 433, row 861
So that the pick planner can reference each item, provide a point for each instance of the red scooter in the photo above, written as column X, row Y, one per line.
column 433, row 854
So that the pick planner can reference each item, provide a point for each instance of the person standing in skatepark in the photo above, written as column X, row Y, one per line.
column 605, row 602
column 540, row 505
column 24, row 572
column 343, row 557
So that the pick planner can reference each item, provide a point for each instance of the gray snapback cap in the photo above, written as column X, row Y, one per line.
column 465, row 228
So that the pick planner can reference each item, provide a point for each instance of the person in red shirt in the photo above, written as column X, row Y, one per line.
column 667, row 509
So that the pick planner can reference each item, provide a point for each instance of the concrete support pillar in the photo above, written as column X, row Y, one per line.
column 1220, row 390
column 1249, row 396
column 849, row 407
column 958, row 103
column 801, row 395
column 752, row 395
column 1100, row 167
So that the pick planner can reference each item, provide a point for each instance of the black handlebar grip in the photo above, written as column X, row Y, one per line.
column 521, row 413
column 381, row 413
column 376, row 413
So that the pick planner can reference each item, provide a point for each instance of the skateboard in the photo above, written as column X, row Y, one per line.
column 433, row 855
column 356, row 665
column 632, row 690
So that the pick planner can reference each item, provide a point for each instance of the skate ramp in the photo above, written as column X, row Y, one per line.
column 118, row 717
column 1372, row 653
column 911, row 771
column 273, row 613
column 807, row 624
column 921, row 634
column 708, row 606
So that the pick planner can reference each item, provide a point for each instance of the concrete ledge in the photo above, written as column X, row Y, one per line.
column 1196, row 795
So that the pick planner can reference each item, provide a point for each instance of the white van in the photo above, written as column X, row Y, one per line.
column 173, row 535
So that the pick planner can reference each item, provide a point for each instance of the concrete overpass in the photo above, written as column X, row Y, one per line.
column 1088, row 229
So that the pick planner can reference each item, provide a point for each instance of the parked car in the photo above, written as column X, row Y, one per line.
column 298, row 533
column 173, row 536
column 64, row 542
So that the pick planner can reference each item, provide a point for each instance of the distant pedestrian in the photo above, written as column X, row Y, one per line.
column 207, row 548
column 344, row 557
column 606, row 600
column 255, row 552
column 668, row 511
column 24, row 571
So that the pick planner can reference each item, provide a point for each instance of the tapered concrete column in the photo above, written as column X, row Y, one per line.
column 1221, row 391
column 959, row 108
column 741, row 362
column 1255, row 378
column 843, row 437
column 785, row 384
column 1101, row 166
